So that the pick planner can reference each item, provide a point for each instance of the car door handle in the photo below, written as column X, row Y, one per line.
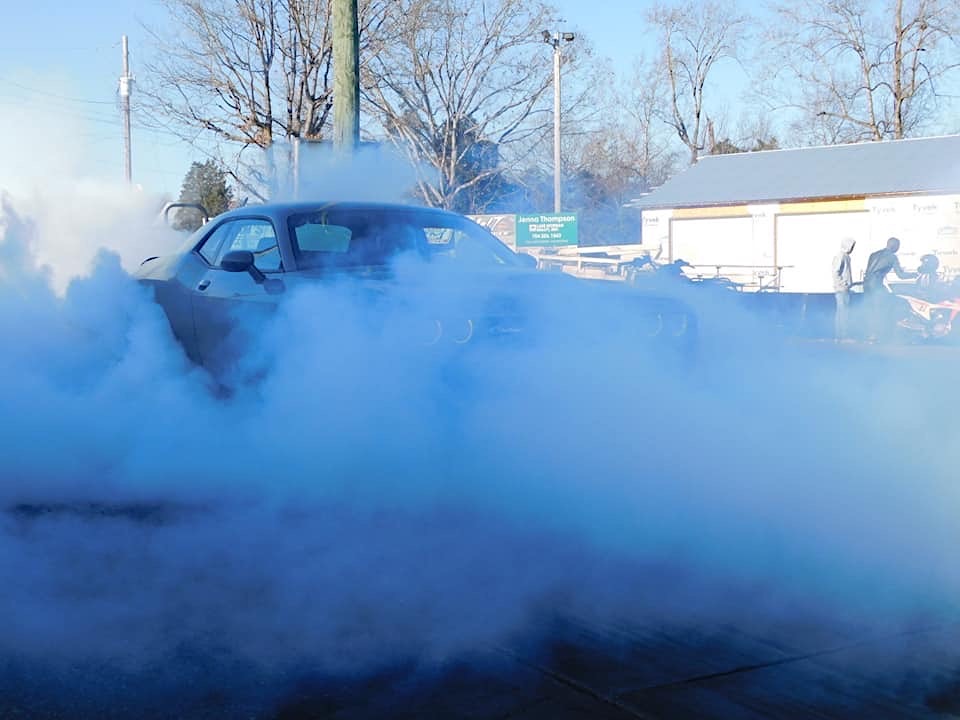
column 204, row 284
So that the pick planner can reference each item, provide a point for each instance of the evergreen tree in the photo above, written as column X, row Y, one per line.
column 204, row 183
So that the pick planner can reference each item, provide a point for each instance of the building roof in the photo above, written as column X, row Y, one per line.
column 893, row 167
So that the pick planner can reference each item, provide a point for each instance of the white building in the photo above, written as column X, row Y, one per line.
column 775, row 219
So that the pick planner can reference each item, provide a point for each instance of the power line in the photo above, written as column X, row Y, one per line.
column 16, row 95
column 101, row 119
column 57, row 48
column 55, row 95
column 98, row 136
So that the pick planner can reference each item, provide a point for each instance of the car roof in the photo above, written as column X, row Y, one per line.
column 284, row 209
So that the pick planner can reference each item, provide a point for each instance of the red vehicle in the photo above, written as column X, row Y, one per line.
column 933, row 320
column 931, row 307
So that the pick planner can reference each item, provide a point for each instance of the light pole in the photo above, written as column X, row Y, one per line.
column 555, row 39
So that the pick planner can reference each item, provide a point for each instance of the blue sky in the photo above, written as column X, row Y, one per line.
column 59, row 65
column 63, row 79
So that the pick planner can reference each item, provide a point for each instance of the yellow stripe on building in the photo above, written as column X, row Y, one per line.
column 718, row 211
column 824, row 206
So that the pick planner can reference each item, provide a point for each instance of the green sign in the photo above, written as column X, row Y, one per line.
column 546, row 230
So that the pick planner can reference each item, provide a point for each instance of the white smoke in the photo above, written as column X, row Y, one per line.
column 316, row 171
column 362, row 504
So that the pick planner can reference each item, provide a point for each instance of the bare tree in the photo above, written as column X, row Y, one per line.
column 459, row 84
column 694, row 37
column 629, row 151
column 241, row 74
column 857, row 70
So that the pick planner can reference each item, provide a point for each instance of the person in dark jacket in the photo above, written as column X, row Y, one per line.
column 879, row 265
column 842, row 282
column 875, row 291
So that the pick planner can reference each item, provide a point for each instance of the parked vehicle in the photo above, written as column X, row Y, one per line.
column 930, row 320
column 927, row 309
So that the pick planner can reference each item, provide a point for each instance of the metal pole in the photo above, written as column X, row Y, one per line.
column 556, row 123
column 346, row 76
column 296, row 168
column 125, row 82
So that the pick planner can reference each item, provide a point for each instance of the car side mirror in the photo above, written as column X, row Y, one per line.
column 242, row 261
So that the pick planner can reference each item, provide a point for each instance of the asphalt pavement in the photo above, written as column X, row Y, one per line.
column 570, row 666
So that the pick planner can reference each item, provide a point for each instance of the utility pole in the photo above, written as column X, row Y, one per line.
column 346, row 76
column 556, row 126
column 126, row 81
column 554, row 40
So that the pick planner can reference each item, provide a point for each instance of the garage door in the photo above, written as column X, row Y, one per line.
column 807, row 244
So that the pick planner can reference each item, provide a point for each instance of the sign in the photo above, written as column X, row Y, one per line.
column 547, row 230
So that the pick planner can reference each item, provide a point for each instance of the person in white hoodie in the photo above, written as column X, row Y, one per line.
column 842, row 281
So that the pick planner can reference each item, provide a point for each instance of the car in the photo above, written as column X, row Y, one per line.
column 247, row 260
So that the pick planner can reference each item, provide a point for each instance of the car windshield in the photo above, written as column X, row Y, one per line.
column 364, row 237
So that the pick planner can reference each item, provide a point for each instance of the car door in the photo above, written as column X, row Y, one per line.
column 229, row 307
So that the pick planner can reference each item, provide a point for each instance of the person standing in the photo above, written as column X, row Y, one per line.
column 842, row 281
column 875, row 291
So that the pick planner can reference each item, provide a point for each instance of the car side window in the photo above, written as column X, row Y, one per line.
column 255, row 235
column 447, row 243
column 211, row 246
